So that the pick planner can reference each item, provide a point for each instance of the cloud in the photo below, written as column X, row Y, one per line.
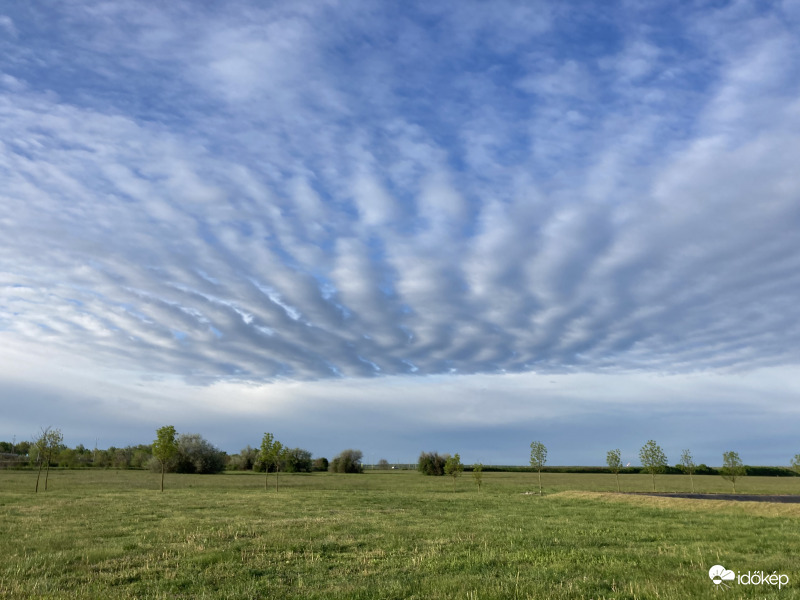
column 314, row 192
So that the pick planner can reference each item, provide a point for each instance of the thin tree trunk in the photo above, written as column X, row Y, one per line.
column 540, row 482
column 276, row 479
column 266, row 473
column 654, row 481
column 692, row 481
column 39, row 474
column 47, row 473
column 618, row 490
column 162, row 476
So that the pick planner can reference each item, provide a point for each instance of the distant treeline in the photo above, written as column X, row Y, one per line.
column 194, row 455
column 676, row 470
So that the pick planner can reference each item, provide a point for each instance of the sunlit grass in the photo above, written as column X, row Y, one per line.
column 111, row 534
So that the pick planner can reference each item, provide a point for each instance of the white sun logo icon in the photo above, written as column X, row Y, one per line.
column 719, row 575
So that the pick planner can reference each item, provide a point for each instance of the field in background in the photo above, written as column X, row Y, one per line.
column 111, row 534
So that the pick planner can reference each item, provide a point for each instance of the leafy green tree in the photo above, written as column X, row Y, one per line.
column 538, row 459
column 687, row 466
column 431, row 463
column 320, row 464
column 732, row 467
column 244, row 461
column 347, row 461
column 278, row 456
column 653, row 459
column 454, row 468
column 796, row 464
column 297, row 460
column 477, row 474
column 267, row 453
column 46, row 445
column 198, row 455
column 23, row 448
column 614, row 462
column 165, row 447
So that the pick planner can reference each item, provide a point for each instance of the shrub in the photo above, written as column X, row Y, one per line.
column 197, row 455
column 320, row 464
column 243, row 461
column 297, row 460
column 348, row 461
column 432, row 463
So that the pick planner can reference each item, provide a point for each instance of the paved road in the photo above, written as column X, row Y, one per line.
column 732, row 497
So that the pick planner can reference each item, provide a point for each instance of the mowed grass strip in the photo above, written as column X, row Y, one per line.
column 111, row 534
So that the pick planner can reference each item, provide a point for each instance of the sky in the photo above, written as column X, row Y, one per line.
column 403, row 226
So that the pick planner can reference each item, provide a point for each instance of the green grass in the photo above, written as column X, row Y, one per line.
column 111, row 534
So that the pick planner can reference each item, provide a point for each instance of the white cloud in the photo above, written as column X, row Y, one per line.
column 291, row 193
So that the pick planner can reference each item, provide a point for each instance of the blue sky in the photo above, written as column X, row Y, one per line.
column 403, row 227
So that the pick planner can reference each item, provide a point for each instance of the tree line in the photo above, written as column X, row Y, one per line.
column 172, row 452
column 651, row 455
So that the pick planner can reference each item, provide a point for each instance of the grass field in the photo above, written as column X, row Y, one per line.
column 112, row 534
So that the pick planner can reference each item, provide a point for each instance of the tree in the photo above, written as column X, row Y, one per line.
column 165, row 447
column 244, row 461
column 198, row 455
column 477, row 474
column 269, row 455
column 538, row 459
column 383, row 464
column 320, row 464
column 732, row 467
column 614, row 461
column 653, row 459
column 431, row 463
column 453, row 468
column 347, row 461
column 687, row 465
column 46, row 445
column 278, row 456
column 297, row 460
column 796, row 464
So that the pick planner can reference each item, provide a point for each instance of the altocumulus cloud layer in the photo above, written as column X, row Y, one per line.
column 303, row 191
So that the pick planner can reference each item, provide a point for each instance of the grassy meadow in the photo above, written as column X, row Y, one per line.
column 112, row 534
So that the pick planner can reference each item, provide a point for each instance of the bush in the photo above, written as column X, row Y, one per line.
column 703, row 469
column 320, row 464
column 297, row 460
column 383, row 464
column 348, row 461
column 197, row 455
column 431, row 463
column 244, row 461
